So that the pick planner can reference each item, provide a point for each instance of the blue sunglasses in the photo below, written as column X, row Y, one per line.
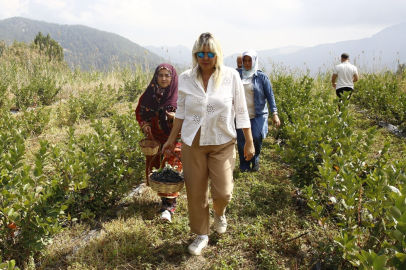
column 209, row 54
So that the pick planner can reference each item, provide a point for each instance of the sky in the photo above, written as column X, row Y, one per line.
column 239, row 25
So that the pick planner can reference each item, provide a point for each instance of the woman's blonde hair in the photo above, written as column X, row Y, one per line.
column 209, row 40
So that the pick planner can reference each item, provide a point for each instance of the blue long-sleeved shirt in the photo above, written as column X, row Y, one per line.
column 262, row 93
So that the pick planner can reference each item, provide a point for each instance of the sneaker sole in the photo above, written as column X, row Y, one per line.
column 194, row 253
column 165, row 220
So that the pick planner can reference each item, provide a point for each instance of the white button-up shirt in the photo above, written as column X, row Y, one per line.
column 214, row 111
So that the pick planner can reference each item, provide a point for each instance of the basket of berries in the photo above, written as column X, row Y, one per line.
column 166, row 179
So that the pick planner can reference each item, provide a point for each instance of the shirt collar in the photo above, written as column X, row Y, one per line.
column 194, row 71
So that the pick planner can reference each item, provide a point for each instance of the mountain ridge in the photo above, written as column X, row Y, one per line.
column 84, row 47
column 384, row 50
column 90, row 48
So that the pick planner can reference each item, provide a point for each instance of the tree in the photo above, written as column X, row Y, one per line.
column 49, row 46
column 2, row 47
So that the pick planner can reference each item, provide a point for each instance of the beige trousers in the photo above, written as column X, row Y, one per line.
column 199, row 164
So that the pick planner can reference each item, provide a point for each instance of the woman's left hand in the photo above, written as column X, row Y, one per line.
column 170, row 115
column 276, row 121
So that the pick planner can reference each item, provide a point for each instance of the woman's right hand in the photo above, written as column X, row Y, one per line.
column 170, row 115
column 146, row 129
column 168, row 147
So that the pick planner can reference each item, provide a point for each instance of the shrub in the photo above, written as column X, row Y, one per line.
column 366, row 202
column 88, row 105
column 23, row 97
column 9, row 127
column 46, row 90
column 131, row 90
column 311, row 126
column 134, row 87
column 68, row 113
column 291, row 93
column 3, row 93
column 41, row 90
column 384, row 95
column 93, row 104
column 35, row 120
column 95, row 172
column 28, row 220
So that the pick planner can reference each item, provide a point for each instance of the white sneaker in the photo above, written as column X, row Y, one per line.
column 220, row 223
column 166, row 216
column 200, row 243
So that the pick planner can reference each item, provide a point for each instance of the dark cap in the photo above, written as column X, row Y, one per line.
column 345, row 56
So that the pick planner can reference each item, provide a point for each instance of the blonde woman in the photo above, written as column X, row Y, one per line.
column 210, row 97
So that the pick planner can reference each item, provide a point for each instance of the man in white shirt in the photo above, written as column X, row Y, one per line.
column 239, row 62
column 346, row 75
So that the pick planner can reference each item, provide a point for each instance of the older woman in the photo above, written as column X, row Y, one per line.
column 211, row 96
column 155, row 113
column 258, row 91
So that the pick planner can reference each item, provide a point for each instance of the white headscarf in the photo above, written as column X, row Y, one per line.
column 248, row 74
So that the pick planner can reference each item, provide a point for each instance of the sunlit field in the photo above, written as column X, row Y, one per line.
column 329, row 195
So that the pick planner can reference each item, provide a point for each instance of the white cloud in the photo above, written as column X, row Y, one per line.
column 85, row 18
column 12, row 8
column 258, row 24
column 52, row 4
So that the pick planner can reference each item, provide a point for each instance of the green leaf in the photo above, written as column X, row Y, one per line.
column 397, row 235
column 379, row 262
column 367, row 224
column 387, row 245
column 11, row 264
column 400, row 202
column 395, row 212
column 401, row 256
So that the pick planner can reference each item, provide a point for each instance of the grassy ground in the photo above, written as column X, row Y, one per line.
column 264, row 218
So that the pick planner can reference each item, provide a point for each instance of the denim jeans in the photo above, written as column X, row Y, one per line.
column 257, row 138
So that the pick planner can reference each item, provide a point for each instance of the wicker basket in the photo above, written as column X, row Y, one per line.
column 163, row 187
column 149, row 147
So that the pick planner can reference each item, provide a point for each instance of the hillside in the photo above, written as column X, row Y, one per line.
column 83, row 46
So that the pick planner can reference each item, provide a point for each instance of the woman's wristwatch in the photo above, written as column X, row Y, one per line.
column 275, row 113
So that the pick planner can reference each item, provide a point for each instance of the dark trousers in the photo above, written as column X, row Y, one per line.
column 340, row 91
column 257, row 138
